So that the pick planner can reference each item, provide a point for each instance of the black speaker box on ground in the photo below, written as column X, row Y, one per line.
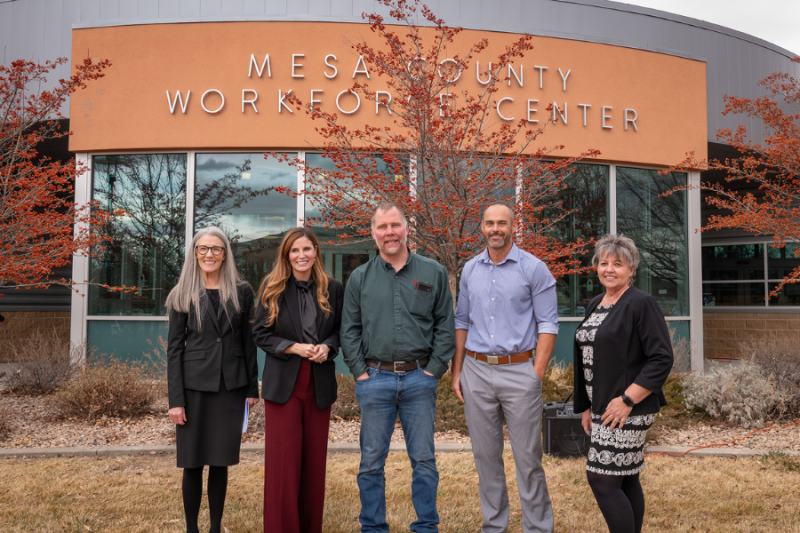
column 563, row 434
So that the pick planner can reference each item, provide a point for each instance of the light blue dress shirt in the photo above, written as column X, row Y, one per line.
column 505, row 306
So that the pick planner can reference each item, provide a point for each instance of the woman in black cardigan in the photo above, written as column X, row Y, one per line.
column 623, row 356
column 212, row 370
column 297, row 325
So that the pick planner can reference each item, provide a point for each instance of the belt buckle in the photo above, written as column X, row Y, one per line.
column 396, row 369
column 493, row 359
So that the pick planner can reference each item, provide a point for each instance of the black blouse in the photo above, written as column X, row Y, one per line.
column 633, row 346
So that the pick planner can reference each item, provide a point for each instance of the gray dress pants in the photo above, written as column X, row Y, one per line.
column 512, row 392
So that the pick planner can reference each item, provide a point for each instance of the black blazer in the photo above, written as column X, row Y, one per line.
column 280, row 369
column 631, row 346
column 195, row 357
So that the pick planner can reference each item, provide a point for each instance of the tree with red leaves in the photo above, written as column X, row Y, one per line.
column 447, row 154
column 40, row 225
column 761, row 192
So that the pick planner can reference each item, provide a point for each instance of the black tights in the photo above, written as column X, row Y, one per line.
column 193, row 494
column 621, row 501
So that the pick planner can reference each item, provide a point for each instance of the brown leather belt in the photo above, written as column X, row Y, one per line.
column 399, row 366
column 502, row 359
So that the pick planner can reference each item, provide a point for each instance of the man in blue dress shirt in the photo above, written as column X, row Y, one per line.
column 506, row 309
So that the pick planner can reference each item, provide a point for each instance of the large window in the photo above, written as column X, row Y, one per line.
column 146, row 249
column 237, row 193
column 586, row 196
column 741, row 275
column 340, row 258
column 658, row 226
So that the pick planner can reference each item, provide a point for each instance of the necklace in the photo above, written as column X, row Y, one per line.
column 611, row 300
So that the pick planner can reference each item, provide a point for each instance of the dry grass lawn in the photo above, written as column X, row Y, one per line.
column 142, row 494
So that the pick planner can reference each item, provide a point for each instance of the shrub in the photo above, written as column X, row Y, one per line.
column 739, row 392
column 449, row 409
column 682, row 353
column 558, row 382
column 346, row 406
column 5, row 421
column 779, row 360
column 111, row 387
column 44, row 362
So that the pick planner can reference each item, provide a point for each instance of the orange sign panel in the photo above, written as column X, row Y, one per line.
column 222, row 86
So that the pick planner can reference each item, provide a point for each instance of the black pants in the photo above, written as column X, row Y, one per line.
column 621, row 500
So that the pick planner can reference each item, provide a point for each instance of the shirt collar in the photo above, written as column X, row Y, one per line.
column 513, row 255
column 388, row 266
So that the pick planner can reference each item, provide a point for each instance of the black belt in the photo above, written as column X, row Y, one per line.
column 399, row 366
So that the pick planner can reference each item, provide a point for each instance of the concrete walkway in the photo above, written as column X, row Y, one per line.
column 344, row 447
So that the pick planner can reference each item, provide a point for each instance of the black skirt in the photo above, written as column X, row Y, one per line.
column 212, row 434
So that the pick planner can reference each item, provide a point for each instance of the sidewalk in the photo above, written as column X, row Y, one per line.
column 345, row 447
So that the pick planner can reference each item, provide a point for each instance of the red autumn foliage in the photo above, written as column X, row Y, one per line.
column 40, row 225
column 769, row 205
column 447, row 154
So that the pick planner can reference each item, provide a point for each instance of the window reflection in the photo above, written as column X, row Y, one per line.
column 734, row 262
column 586, row 196
column 340, row 259
column 236, row 192
column 658, row 226
column 147, row 246
column 733, row 294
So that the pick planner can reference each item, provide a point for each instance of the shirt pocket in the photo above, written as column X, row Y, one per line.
column 194, row 355
column 422, row 303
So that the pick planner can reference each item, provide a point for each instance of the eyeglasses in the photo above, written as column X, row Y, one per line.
column 215, row 250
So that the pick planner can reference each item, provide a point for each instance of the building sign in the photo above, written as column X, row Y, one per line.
column 223, row 85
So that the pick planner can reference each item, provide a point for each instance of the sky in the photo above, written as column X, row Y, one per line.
column 775, row 21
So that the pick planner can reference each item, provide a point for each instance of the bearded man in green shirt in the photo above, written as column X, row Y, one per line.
column 397, row 337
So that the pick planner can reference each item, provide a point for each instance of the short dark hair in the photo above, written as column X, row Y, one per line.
column 387, row 206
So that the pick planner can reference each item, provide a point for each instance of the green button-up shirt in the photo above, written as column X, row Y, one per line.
column 390, row 316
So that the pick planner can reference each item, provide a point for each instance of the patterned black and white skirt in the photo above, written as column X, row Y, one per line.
column 618, row 452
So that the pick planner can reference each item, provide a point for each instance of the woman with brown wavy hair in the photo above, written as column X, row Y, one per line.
column 297, row 325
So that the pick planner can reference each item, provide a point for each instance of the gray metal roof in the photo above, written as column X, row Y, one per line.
column 42, row 29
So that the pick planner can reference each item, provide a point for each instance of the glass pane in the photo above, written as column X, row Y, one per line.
column 734, row 262
column 147, row 249
column 126, row 339
column 658, row 227
column 732, row 294
column 782, row 261
column 235, row 192
column 789, row 295
column 587, row 196
column 340, row 259
column 681, row 345
column 564, row 343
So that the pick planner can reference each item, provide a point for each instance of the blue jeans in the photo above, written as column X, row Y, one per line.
column 380, row 398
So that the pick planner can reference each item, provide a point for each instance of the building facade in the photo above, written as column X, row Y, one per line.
column 176, row 131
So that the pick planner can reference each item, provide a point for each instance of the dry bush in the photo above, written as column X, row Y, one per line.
column 682, row 353
column 346, row 406
column 559, row 380
column 5, row 421
column 779, row 360
column 44, row 362
column 111, row 387
column 449, row 409
column 738, row 392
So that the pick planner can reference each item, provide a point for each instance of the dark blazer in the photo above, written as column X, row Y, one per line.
column 195, row 357
column 631, row 346
column 280, row 369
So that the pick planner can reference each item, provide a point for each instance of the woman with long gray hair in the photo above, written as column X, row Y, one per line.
column 211, row 369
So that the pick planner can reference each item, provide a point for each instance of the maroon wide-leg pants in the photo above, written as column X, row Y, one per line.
column 295, row 453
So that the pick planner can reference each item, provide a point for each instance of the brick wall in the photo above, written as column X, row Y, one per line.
column 722, row 332
column 25, row 324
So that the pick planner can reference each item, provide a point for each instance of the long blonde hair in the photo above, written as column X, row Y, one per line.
column 274, row 284
column 190, row 287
